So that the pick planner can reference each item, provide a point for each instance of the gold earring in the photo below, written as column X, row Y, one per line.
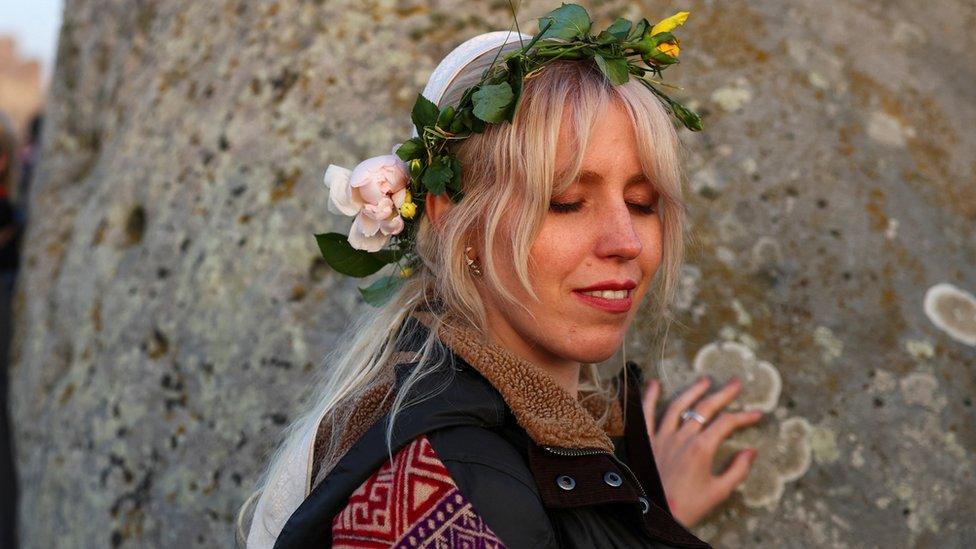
column 472, row 264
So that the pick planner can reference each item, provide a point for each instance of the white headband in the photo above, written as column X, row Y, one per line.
column 452, row 64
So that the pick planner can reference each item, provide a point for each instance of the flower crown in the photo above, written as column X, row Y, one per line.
column 386, row 193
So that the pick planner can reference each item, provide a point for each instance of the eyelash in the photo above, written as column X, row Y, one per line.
column 567, row 207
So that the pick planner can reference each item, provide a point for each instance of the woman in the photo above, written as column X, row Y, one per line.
column 466, row 411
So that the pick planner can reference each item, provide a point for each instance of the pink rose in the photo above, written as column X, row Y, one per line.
column 372, row 192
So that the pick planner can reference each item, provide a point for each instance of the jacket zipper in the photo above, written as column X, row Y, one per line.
column 577, row 452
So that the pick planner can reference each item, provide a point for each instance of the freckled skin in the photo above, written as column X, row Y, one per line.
column 608, row 238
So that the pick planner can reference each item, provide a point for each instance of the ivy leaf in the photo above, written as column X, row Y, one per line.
column 491, row 102
column 618, row 31
column 569, row 21
column 380, row 291
column 437, row 175
column 615, row 68
column 345, row 259
column 424, row 113
column 410, row 149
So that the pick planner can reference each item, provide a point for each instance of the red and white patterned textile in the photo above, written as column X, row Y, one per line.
column 411, row 502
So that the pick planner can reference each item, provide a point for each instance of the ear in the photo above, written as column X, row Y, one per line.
column 435, row 206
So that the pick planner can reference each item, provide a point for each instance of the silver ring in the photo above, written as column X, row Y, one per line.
column 691, row 414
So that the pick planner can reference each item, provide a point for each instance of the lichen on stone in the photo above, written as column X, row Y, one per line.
column 761, row 382
column 953, row 311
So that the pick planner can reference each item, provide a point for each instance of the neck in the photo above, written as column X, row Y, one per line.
column 565, row 373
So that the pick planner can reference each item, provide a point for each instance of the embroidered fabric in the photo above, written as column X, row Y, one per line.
column 411, row 501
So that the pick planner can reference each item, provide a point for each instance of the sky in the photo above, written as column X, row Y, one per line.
column 35, row 23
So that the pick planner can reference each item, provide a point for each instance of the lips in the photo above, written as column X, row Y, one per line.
column 610, row 295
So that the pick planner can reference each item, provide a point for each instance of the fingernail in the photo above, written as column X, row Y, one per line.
column 735, row 381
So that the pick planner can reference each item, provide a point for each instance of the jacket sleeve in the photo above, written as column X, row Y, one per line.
column 413, row 497
column 495, row 478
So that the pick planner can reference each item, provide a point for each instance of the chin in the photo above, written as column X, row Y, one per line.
column 595, row 347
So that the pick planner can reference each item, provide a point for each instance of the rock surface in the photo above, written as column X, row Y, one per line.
column 173, row 309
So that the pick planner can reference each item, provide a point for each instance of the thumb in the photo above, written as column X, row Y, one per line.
column 736, row 472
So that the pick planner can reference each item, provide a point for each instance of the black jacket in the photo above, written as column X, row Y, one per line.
column 531, row 496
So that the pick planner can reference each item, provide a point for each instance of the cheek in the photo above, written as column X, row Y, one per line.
column 652, row 252
column 556, row 253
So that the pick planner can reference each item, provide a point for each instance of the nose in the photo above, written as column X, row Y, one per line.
column 618, row 236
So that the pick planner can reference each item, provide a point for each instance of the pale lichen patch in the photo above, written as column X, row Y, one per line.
column 921, row 389
column 761, row 383
column 953, row 311
column 823, row 442
column 831, row 346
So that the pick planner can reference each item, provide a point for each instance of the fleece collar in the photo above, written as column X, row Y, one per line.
column 549, row 414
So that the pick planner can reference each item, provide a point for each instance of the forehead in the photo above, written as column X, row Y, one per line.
column 606, row 144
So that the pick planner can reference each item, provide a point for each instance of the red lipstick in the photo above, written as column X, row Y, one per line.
column 619, row 303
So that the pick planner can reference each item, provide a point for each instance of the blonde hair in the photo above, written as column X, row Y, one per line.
column 508, row 178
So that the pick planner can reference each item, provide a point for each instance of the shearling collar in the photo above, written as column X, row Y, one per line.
column 550, row 415
column 547, row 413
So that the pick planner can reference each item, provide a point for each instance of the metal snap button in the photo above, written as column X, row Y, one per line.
column 566, row 482
column 612, row 479
column 645, row 505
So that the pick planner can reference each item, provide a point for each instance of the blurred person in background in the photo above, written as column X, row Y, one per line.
column 29, row 156
column 10, row 229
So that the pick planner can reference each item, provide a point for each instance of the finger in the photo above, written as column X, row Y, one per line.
column 651, row 394
column 710, row 405
column 725, row 425
column 672, row 417
column 736, row 472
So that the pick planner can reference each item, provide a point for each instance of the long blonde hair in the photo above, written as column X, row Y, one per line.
column 508, row 178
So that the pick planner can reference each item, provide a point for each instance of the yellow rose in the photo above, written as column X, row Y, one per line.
column 669, row 48
column 406, row 272
column 408, row 210
column 669, row 24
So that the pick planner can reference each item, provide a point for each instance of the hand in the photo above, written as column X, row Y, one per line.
column 685, row 449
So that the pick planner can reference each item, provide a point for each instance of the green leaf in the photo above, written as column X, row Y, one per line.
column 516, row 73
column 638, row 31
column 437, row 175
column 491, row 102
column 620, row 28
column 445, row 118
column 410, row 149
column 424, row 113
column 345, row 259
column 688, row 117
column 617, row 32
column 470, row 121
column 614, row 68
column 569, row 21
column 455, row 183
column 380, row 291
column 388, row 255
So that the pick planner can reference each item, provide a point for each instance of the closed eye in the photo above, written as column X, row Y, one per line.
column 565, row 207
column 642, row 209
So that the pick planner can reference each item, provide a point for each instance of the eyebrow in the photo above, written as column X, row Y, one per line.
column 636, row 178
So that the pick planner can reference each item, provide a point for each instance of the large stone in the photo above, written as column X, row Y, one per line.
column 173, row 311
